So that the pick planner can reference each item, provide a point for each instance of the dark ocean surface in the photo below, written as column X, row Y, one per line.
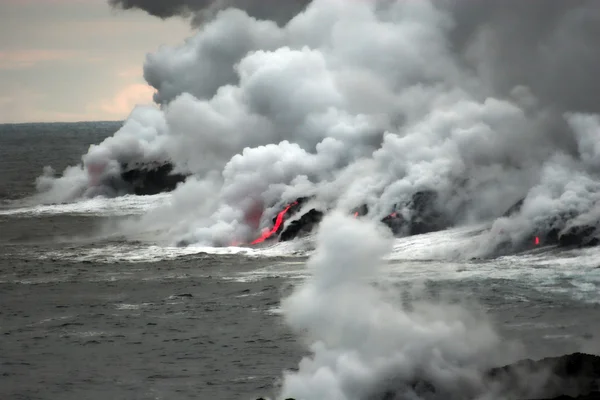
column 83, row 316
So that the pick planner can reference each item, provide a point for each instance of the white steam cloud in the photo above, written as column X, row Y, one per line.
column 202, row 11
column 365, row 344
column 366, row 102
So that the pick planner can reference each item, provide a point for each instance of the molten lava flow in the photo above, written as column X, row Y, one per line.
column 356, row 214
column 275, row 228
column 537, row 240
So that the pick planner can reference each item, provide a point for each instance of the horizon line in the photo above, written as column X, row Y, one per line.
column 60, row 122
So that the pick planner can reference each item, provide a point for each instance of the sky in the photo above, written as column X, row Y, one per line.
column 76, row 60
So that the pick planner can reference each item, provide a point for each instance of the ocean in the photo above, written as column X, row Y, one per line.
column 90, row 315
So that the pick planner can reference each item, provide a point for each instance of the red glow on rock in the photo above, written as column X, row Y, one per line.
column 393, row 215
column 537, row 240
column 275, row 228
column 95, row 171
column 356, row 214
column 253, row 215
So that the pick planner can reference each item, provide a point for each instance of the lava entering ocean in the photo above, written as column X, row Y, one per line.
column 278, row 224
column 308, row 220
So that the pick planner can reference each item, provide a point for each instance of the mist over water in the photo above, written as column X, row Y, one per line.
column 361, row 326
column 350, row 102
column 362, row 102
column 365, row 342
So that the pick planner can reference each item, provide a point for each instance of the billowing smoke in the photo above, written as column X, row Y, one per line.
column 368, row 345
column 537, row 44
column 204, row 10
column 365, row 102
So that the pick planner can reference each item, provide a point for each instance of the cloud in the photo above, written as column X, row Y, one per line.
column 369, row 102
column 14, row 104
column 126, row 99
column 18, row 59
column 28, row 104
column 366, row 343
column 204, row 10
column 51, row 2
column 35, row 106
column 131, row 72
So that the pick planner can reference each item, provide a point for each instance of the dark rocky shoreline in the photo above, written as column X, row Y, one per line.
column 419, row 215
column 151, row 178
column 569, row 377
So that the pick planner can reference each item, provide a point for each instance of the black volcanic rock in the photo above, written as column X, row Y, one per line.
column 397, row 224
column 301, row 226
column 569, row 377
column 515, row 208
column 426, row 216
column 580, row 236
column 151, row 178
column 555, row 230
column 360, row 211
column 423, row 208
column 576, row 375
column 591, row 396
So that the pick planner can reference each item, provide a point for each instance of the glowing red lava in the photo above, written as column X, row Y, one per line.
column 537, row 240
column 356, row 214
column 275, row 228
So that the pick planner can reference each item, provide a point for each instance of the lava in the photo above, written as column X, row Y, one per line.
column 275, row 228
column 537, row 240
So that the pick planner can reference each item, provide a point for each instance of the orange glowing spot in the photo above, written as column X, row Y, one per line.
column 537, row 240
column 275, row 228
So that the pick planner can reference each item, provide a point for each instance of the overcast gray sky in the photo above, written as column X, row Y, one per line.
column 74, row 60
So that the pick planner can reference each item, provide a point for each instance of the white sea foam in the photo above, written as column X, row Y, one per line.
column 98, row 206
column 438, row 256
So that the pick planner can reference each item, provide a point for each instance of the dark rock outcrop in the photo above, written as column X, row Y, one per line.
column 556, row 230
column 515, row 208
column 425, row 216
column 576, row 375
column 150, row 178
column 424, row 212
column 582, row 235
column 397, row 224
column 360, row 211
column 569, row 377
column 301, row 226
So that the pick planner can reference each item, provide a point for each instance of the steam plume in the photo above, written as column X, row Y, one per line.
column 367, row 102
column 365, row 344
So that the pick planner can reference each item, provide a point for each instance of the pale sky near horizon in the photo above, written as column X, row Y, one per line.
column 76, row 60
